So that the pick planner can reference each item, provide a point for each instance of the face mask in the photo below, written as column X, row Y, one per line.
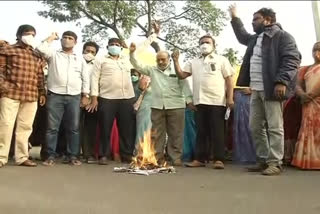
column 88, row 57
column 134, row 78
column 206, row 48
column 67, row 43
column 29, row 40
column 114, row 50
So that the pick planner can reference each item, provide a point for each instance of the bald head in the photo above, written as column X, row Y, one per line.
column 163, row 59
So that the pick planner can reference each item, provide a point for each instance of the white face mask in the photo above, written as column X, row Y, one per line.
column 88, row 57
column 29, row 40
column 206, row 48
column 67, row 44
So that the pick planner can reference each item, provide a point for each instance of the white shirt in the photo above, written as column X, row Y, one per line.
column 111, row 78
column 67, row 73
column 90, row 69
column 209, row 73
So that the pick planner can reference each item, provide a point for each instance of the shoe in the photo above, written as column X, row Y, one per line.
column 65, row 159
column 28, row 163
column 126, row 158
column 48, row 162
column 218, row 165
column 91, row 160
column 195, row 163
column 75, row 162
column 177, row 162
column 259, row 167
column 272, row 170
column 103, row 161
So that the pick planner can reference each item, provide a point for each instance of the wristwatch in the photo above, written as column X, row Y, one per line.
column 87, row 95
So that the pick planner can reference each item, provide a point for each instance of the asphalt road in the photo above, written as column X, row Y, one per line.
column 94, row 189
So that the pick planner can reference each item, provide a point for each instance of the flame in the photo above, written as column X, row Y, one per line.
column 145, row 158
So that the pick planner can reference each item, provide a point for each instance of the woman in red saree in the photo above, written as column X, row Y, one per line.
column 307, row 151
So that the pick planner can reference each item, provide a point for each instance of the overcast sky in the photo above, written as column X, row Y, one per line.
column 294, row 16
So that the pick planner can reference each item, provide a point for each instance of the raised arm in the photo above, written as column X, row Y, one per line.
column 180, row 73
column 241, row 33
column 45, row 49
column 146, row 70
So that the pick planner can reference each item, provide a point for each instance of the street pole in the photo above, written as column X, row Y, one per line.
column 316, row 18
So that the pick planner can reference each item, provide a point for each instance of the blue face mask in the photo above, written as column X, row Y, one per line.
column 114, row 50
column 134, row 78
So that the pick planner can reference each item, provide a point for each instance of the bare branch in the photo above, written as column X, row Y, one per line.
column 102, row 22
column 176, row 16
column 149, row 18
column 170, row 43
column 142, row 28
column 115, row 13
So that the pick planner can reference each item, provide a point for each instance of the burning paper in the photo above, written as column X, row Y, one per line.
column 145, row 162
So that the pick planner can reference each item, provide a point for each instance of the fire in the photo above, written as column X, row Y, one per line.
column 145, row 158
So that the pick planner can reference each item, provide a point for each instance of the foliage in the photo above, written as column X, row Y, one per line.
column 182, row 22
column 232, row 56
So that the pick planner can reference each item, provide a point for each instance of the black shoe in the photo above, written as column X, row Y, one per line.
column 103, row 161
column 259, row 167
column 91, row 160
column 65, row 159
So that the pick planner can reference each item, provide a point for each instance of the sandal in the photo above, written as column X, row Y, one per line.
column 48, row 162
column 272, row 170
column 75, row 162
column 218, row 165
column 1, row 164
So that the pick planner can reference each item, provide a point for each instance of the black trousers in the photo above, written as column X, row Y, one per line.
column 210, row 125
column 122, row 110
column 88, row 132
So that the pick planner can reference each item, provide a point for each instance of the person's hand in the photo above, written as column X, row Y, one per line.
column 247, row 91
column 54, row 36
column 175, row 55
column 93, row 106
column 143, row 83
column 42, row 100
column 233, row 10
column 191, row 107
column 156, row 27
column 305, row 98
column 84, row 101
column 230, row 103
column 133, row 47
column 280, row 91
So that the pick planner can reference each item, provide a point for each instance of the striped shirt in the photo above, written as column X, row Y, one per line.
column 21, row 73
column 256, row 79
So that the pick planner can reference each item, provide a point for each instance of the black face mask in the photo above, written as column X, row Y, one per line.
column 259, row 29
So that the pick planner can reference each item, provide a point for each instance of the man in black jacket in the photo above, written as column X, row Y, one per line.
column 269, row 65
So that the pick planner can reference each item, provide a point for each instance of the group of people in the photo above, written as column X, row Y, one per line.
column 184, row 110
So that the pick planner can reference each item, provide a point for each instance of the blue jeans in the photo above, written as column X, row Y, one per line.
column 59, row 106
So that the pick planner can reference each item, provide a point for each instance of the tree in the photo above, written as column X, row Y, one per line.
column 181, row 22
column 232, row 56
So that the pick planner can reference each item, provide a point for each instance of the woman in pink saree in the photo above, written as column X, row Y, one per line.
column 307, row 151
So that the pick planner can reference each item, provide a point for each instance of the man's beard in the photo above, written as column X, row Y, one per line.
column 259, row 29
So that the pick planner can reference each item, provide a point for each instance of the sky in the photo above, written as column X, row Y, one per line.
column 294, row 16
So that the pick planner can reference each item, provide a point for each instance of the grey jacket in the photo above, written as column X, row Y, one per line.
column 280, row 57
